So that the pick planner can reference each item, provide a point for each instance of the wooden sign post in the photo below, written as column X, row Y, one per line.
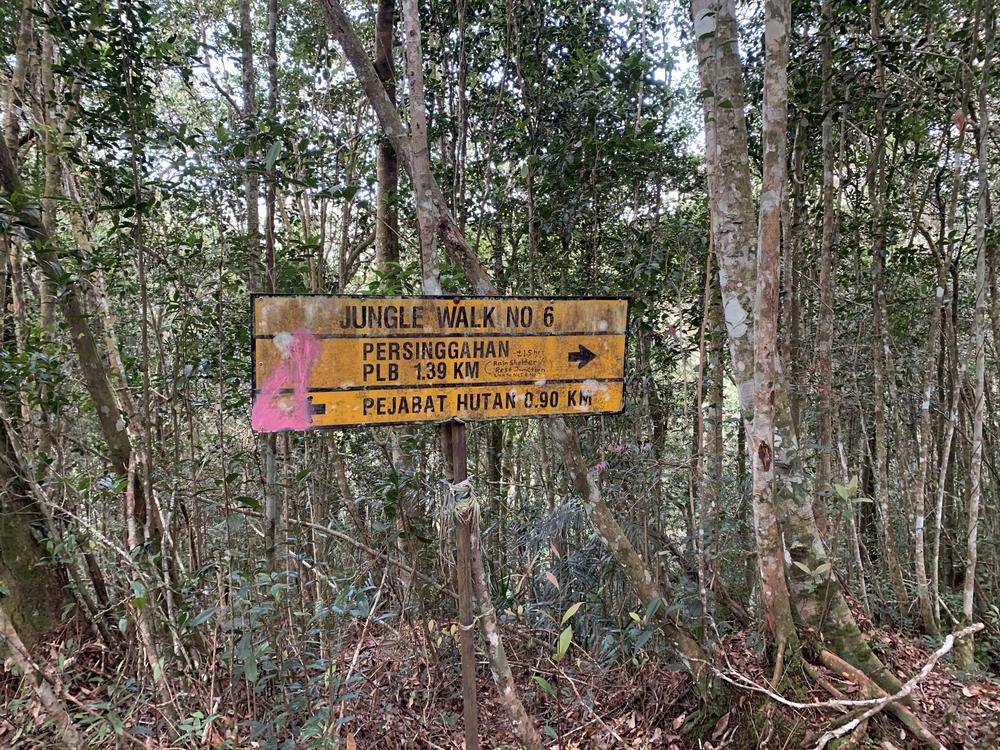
column 328, row 362
column 335, row 361
column 457, row 447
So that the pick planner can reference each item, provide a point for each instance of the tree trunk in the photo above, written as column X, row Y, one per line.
column 523, row 724
column 711, row 449
column 32, row 595
column 420, row 157
column 275, row 510
column 251, row 182
column 770, row 551
column 466, row 512
column 624, row 552
column 84, row 342
column 877, row 194
column 18, row 653
column 817, row 597
column 16, row 99
column 928, row 613
column 387, row 167
column 729, row 184
column 964, row 647
column 259, row 272
column 824, row 326
column 791, row 274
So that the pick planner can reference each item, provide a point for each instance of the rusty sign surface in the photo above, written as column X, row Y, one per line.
column 322, row 361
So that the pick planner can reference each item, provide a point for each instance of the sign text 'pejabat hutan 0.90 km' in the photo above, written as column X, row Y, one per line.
column 337, row 361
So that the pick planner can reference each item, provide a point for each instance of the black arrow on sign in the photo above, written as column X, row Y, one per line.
column 584, row 356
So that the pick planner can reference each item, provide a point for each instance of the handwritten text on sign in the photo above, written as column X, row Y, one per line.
column 334, row 361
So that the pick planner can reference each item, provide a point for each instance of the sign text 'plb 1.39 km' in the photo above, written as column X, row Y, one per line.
column 336, row 361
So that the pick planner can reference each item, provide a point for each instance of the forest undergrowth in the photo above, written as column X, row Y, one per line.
column 399, row 689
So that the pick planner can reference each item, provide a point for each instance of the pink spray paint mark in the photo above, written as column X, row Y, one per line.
column 271, row 415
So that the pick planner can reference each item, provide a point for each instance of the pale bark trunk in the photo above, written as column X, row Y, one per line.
column 733, row 237
column 727, row 164
column 710, row 433
column 16, row 102
column 882, row 494
column 16, row 86
column 50, row 147
column 816, row 594
column 56, row 172
column 420, row 157
column 81, row 232
column 466, row 513
column 853, row 530
column 928, row 614
column 19, row 310
column 624, row 552
column 942, row 485
column 523, row 725
column 144, row 623
column 154, row 523
column 270, row 199
column 95, row 374
column 453, row 437
column 251, row 182
column 948, row 294
column 454, row 241
column 770, row 550
column 964, row 648
column 272, row 111
column 792, row 266
column 259, row 272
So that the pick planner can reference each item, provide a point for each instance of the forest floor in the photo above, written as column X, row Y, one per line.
column 649, row 707
column 408, row 697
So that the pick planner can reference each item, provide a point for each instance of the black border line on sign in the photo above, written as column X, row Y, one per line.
column 540, row 382
column 455, row 298
column 423, row 335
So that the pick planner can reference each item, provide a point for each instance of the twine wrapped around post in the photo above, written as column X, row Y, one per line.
column 465, row 506
column 461, row 505
column 464, row 502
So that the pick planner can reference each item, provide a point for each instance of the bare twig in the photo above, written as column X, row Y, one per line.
column 904, row 691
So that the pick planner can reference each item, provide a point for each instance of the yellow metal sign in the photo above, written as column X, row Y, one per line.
column 336, row 361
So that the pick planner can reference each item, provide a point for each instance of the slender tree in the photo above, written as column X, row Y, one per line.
column 387, row 167
column 770, row 551
column 979, row 325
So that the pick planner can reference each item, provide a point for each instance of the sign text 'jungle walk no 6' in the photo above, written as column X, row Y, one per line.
column 335, row 361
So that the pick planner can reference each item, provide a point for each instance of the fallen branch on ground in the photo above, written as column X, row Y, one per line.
column 886, row 701
column 881, row 701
